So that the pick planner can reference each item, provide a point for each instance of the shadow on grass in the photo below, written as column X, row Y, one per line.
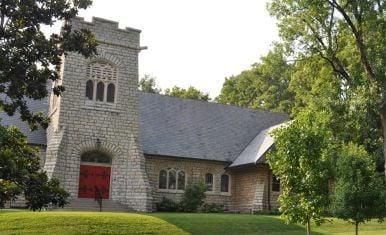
column 201, row 223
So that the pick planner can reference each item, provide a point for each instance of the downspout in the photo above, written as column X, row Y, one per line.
column 269, row 190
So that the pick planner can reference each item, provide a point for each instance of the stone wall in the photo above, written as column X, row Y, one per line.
column 81, row 126
column 195, row 171
column 248, row 185
column 250, row 189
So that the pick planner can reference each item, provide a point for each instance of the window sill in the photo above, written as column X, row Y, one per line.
column 100, row 106
column 171, row 191
column 213, row 193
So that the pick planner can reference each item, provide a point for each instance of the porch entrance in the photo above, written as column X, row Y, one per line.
column 94, row 175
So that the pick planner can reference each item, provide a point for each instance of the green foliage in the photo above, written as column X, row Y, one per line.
column 149, row 84
column 28, row 60
column 41, row 192
column 20, row 173
column 301, row 160
column 168, row 205
column 264, row 86
column 8, row 191
column 193, row 197
column 212, row 208
column 359, row 192
column 190, row 93
column 340, row 45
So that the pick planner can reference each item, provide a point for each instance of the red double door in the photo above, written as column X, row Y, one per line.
column 92, row 178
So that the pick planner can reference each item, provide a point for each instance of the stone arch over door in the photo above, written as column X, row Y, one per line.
column 96, row 168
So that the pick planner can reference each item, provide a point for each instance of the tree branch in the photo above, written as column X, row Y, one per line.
column 358, row 39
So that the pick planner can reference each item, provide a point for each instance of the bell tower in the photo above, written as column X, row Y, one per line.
column 97, row 115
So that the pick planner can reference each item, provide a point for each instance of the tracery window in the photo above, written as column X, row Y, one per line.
column 101, row 83
column 171, row 179
column 163, row 179
column 275, row 184
column 90, row 89
column 209, row 182
column 100, row 91
column 181, row 180
column 95, row 157
column 225, row 183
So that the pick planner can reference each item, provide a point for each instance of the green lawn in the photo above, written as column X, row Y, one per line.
column 22, row 222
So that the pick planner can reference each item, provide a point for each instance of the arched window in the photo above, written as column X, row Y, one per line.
column 275, row 184
column 162, row 179
column 110, row 93
column 209, row 182
column 225, row 183
column 181, row 180
column 90, row 90
column 100, row 91
column 102, row 79
column 95, row 157
column 172, row 179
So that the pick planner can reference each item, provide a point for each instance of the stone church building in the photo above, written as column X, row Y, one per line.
column 136, row 148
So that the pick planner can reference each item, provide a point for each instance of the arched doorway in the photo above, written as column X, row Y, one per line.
column 94, row 175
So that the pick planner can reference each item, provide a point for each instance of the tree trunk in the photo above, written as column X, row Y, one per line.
column 308, row 227
column 383, row 121
column 356, row 228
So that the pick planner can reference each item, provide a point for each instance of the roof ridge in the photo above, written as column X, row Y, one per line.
column 214, row 103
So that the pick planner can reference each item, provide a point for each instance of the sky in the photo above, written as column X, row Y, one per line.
column 193, row 42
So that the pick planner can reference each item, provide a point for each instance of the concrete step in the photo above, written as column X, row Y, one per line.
column 84, row 204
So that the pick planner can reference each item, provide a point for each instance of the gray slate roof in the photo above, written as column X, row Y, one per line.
column 256, row 149
column 36, row 137
column 197, row 129
column 185, row 128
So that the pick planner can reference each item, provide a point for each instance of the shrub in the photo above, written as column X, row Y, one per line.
column 167, row 205
column 212, row 208
column 193, row 197
column 267, row 212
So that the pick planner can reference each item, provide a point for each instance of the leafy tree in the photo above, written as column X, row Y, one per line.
column 301, row 161
column 149, row 84
column 264, row 86
column 190, row 93
column 20, row 173
column 349, row 37
column 28, row 59
column 359, row 192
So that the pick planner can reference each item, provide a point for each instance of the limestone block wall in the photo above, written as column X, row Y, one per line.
column 195, row 171
column 250, row 189
column 112, row 128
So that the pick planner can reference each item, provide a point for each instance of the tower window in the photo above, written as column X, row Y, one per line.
column 102, row 78
column 110, row 93
column 90, row 90
column 100, row 91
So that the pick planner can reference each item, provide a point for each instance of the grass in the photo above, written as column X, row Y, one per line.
column 83, row 223
column 23, row 222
